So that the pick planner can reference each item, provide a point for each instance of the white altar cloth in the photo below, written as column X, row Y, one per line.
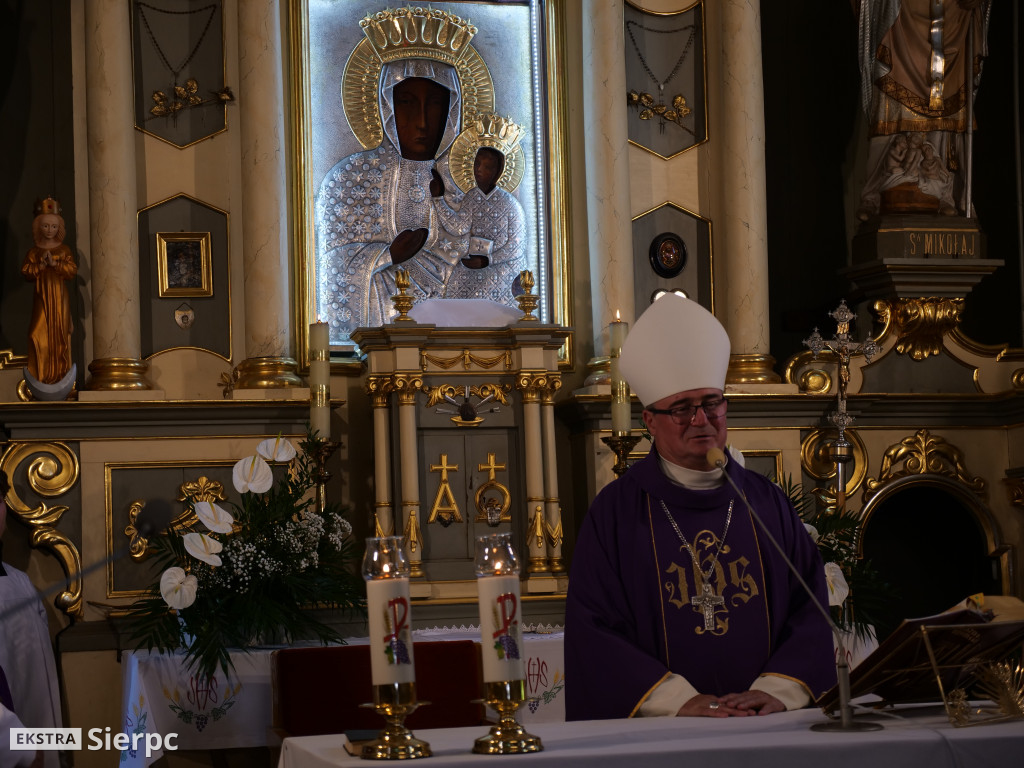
column 776, row 741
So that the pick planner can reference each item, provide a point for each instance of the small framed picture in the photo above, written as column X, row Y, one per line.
column 183, row 263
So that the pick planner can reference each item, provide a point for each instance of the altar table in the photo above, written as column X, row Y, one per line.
column 161, row 696
column 783, row 740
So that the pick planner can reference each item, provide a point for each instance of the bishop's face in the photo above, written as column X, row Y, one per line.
column 421, row 113
column 688, row 443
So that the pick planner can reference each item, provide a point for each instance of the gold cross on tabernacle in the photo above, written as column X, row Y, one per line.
column 707, row 602
column 490, row 467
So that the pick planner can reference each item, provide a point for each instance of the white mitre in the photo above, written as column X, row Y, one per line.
column 675, row 346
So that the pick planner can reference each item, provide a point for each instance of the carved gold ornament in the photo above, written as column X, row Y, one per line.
column 468, row 360
column 919, row 455
column 52, row 472
column 411, row 33
column 919, row 324
column 496, row 132
column 819, row 464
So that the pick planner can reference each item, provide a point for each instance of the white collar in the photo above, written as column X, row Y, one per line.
column 692, row 479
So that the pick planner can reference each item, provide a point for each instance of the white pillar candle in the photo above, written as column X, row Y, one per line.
column 621, row 407
column 319, row 380
column 501, row 630
column 390, row 622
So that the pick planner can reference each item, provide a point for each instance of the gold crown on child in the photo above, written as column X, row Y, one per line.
column 498, row 132
column 418, row 33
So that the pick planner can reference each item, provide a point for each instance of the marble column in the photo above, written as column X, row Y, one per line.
column 410, row 480
column 264, row 213
column 606, row 140
column 737, row 181
column 552, row 506
column 113, row 200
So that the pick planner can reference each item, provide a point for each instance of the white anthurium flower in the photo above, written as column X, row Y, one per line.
column 214, row 517
column 813, row 532
column 838, row 589
column 178, row 588
column 276, row 449
column 203, row 547
column 252, row 474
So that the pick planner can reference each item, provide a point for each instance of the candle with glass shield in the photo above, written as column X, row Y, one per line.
column 501, row 638
column 386, row 571
column 843, row 347
column 621, row 441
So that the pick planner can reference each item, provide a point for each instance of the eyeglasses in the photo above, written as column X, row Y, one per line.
column 685, row 414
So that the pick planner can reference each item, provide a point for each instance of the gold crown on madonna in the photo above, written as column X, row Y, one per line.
column 418, row 33
column 498, row 132
column 49, row 205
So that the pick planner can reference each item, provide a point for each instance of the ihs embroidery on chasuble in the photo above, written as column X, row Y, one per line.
column 731, row 583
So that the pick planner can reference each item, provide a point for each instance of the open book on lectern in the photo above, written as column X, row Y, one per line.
column 948, row 647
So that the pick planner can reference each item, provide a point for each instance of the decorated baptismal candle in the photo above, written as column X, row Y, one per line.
column 387, row 602
column 501, row 630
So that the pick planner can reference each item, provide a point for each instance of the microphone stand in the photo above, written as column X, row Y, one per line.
column 845, row 722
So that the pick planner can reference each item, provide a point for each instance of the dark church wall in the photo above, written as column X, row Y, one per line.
column 37, row 155
column 813, row 118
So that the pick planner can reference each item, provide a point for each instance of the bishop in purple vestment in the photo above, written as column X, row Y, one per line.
column 678, row 603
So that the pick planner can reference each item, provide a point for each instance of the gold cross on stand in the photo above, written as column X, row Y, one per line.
column 707, row 601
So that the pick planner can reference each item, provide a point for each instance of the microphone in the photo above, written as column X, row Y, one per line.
column 152, row 520
column 716, row 458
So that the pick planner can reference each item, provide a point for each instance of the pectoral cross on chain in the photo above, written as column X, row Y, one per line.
column 707, row 601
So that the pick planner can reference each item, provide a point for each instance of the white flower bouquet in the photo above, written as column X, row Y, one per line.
column 254, row 570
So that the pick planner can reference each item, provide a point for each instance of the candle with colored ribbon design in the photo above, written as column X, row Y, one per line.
column 501, row 630
column 386, row 571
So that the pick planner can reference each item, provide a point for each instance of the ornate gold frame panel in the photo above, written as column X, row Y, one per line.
column 664, row 106
column 513, row 65
column 184, row 249
column 926, row 459
column 761, row 453
column 52, row 473
column 996, row 549
column 125, row 539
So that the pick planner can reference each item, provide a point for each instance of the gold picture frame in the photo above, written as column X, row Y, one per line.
column 184, row 265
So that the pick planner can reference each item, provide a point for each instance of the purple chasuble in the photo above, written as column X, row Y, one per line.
column 629, row 620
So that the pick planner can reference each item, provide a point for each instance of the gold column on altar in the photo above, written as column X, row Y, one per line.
column 379, row 388
column 407, row 386
column 531, row 384
column 552, row 506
